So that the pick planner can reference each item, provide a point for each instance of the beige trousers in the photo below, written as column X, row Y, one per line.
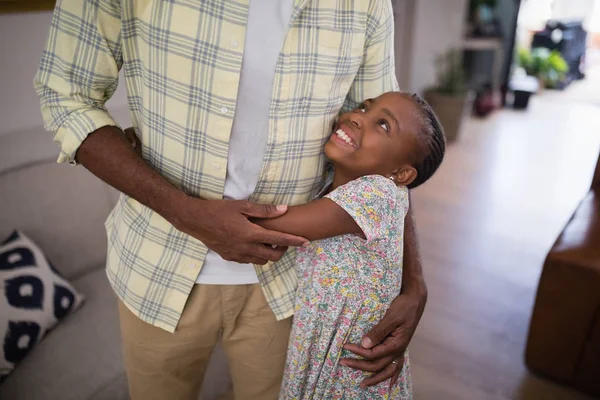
column 171, row 366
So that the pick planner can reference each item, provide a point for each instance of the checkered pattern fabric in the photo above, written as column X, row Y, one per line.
column 182, row 61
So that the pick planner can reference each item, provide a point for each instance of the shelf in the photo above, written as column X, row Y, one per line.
column 483, row 43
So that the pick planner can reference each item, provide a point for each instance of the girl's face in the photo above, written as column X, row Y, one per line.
column 379, row 137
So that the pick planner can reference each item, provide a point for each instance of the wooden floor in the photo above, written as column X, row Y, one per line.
column 485, row 222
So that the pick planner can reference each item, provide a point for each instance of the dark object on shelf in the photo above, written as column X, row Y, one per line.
column 503, row 92
column 490, row 30
column 484, row 103
column 521, row 99
column 569, row 39
column 523, row 88
column 564, row 335
column 483, row 22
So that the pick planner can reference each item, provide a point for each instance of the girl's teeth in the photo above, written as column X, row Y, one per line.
column 343, row 136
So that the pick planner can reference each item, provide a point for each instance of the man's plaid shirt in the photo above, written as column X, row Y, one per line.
column 182, row 62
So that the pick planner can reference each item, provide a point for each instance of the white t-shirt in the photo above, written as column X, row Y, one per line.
column 267, row 26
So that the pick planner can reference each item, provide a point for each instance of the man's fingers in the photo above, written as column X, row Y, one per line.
column 377, row 352
column 396, row 375
column 367, row 365
column 133, row 140
column 131, row 137
column 269, row 253
column 380, row 331
column 265, row 236
column 256, row 260
column 254, row 210
column 385, row 374
column 245, row 258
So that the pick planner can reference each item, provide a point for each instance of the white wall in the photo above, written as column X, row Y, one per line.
column 22, row 39
column 438, row 26
column 569, row 9
column 404, row 18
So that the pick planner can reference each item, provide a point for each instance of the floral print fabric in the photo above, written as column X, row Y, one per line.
column 346, row 284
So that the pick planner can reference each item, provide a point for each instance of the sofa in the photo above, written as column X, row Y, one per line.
column 564, row 335
column 63, row 209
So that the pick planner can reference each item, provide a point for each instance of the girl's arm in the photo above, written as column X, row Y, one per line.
column 316, row 220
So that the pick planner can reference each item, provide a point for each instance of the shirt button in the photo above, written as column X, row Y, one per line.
column 217, row 167
column 192, row 266
column 224, row 110
column 235, row 44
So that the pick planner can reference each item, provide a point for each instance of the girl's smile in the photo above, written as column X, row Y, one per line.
column 345, row 137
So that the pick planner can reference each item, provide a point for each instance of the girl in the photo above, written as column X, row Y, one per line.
column 352, row 270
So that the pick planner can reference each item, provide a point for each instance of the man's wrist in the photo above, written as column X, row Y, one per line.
column 171, row 205
column 415, row 287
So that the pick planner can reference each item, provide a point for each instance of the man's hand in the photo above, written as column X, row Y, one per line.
column 384, row 346
column 134, row 140
column 223, row 226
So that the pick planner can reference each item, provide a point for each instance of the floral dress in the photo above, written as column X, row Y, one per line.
column 346, row 284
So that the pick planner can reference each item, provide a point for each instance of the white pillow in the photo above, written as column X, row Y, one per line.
column 33, row 299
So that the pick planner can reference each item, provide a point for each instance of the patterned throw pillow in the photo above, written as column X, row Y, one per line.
column 33, row 299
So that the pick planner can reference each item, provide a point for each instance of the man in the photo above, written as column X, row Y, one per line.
column 233, row 101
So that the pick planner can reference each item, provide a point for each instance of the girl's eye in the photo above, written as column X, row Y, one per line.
column 362, row 108
column 384, row 125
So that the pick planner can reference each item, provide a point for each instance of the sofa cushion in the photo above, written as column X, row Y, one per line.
column 81, row 358
column 61, row 208
column 33, row 299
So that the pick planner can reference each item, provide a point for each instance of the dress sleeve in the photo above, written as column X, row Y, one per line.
column 375, row 203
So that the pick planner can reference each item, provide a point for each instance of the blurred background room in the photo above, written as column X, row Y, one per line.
column 509, row 227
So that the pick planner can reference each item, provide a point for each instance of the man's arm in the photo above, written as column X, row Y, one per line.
column 217, row 223
column 78, row 74
column 79, row 71
column 413, row 281
column 388, row 340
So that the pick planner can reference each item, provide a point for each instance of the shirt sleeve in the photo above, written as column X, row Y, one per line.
column 375, row 203
column 377, row 73
column 79, row 70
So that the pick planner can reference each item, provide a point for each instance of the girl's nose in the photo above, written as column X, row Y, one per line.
column 356, row 120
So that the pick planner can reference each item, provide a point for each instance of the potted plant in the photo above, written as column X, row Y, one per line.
column 449, row 98
column 535, row 63
column 548, row 67
column 557, row 70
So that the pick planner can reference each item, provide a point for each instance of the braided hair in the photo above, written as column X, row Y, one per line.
column 433, row 141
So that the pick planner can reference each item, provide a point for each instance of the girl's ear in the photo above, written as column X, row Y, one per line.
column 404, row 176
